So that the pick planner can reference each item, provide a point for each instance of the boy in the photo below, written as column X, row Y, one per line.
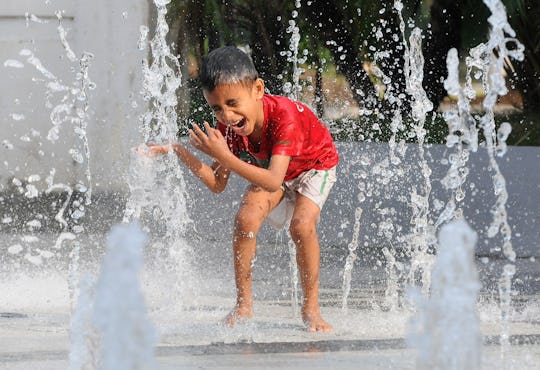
column 287, row 155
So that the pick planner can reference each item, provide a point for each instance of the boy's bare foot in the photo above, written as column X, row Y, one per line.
column 315, row 322
column 238, row 314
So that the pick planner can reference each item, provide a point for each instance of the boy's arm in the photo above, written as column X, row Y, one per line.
column 215, row 145
column 215, row 177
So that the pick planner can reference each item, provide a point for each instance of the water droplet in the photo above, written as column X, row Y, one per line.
column 17, row 116
column 76, row 155
column 35, row 260
column 34, row 224
column 45, row 254
column 161, row 2
column 12, row 63
column 15, row 249
column 31, row 192
column 34, row 178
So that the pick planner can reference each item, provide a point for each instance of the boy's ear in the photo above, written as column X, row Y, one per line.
column 258, row 88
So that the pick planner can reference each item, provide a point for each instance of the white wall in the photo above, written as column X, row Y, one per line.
column 107, row 29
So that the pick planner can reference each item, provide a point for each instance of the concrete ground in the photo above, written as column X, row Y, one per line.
column 185, row 313
column 41, row 341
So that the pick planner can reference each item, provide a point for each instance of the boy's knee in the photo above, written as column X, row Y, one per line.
column 247, row 222
column 301, row 228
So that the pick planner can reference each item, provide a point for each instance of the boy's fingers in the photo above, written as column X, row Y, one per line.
column 218, row 134
column 195, row 139
column 212, row 131
column 198, row 129
column 199, row 133
column 158, row 149
column 215, row 133
column 193, row 135
column 148, row 151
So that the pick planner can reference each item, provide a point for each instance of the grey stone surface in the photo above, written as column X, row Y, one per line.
column 213, row 214
column 358, row 161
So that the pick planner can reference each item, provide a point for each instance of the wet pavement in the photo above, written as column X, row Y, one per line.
column 35, row 318
column 42, row 342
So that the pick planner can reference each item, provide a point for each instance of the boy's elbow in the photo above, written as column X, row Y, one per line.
column 273, row 187
column 217, row 189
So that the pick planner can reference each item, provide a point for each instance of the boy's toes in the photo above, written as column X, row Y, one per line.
column 322, row 327
column 315, row 323
column 237, row 315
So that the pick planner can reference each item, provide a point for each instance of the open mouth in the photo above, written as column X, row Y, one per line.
column 239, row 124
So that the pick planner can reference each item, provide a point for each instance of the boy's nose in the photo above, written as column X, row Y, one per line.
column 228, row 117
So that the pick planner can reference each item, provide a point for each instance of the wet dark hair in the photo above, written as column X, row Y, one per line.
column 226, row 65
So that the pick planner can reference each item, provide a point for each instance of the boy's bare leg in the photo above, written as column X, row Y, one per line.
column 304, row 234
column 256, row 205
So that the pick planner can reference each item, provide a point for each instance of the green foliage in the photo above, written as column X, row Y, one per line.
column 199, row 111
column 525, row 129
column 377, row 129
column 363, row 27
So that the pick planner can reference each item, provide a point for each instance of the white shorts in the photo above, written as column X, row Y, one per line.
column 313, row 184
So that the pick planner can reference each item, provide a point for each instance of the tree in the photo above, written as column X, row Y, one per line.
column 261, row 25
column 524, row 17
column 358, row 35
column 329, row 20
column 444, row 34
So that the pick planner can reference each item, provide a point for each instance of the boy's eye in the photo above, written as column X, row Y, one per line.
column 232, row 103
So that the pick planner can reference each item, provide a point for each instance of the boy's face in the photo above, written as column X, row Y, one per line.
column 238, row 105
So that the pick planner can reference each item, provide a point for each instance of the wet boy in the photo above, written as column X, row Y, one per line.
column 287, row 155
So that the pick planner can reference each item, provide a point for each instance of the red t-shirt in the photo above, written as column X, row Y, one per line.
column 290, row 128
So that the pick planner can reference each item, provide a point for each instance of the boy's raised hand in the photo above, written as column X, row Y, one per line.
column 212, row 144
column 151, row 150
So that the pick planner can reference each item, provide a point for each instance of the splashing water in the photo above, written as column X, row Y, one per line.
column 158, row 123
column 293, row 89
column 446, row 329
column 485, row 61
column 127, row 336
column 463, row 134
column 83, row 336
column 423, row 232
column 351, row 258
column 294, row 277
column 492, row 65
column 392, row 171
column 68, row 103
column 157, row 188
column 161, row 79
column 158, row 197
column 117, row 335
